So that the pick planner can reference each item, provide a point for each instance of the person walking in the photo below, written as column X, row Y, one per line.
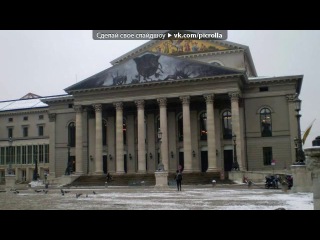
column 178, row 179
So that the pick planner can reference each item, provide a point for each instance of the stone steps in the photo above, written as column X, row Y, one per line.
column 147, row 179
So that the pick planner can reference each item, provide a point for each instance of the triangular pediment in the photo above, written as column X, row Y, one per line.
column 151, row 67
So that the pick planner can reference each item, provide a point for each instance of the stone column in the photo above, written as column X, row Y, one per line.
column 186, row 133
column 98, row 152
column 313, row 165
column 293, row 128
column 164, row 129
column 119, row 137
column 52, row 146
column 141, row 138
column 302, row 180
column 211, row 137
column 236, row 128
column 79, row 144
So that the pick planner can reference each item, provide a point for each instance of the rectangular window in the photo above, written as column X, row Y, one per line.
column 29, row 155
column 40, row 153
column 8, row 155
column 267, row 155
column 46, row 153
column 10, row 119
column 35, row 153
column 25, row 131
column 24, row 154
column 18, row 154
column 264, row 89
column 2, row 150
column 25, row 118
column 40, row 117
column 40, row 131
column 10, row 132
column 70, row 105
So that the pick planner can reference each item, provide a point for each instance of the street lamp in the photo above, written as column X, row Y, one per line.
column 160, row 165
column 300, row 157
column 235, row 165
column 10, row 156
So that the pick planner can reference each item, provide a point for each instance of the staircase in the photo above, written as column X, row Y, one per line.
column 147, row 179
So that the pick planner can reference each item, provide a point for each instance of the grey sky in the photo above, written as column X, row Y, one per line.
column 46, row 62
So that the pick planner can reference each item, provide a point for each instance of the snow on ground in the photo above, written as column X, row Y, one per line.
column 130, row 198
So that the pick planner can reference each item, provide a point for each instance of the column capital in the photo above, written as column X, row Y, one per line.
column 118, row 105
column 291, row 97
column 209, row 98
column 97, row 107
column 162, row 102
column 234, row 96
column 140, row 104
column 78, row 108
column 52, row 117
column 185, row 99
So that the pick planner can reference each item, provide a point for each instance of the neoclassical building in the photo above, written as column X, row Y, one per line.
column 205, row 98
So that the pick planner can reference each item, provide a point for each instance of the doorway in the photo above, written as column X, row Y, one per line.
column 181, row 160
column 125, row 162
column 228, row 159
column 73, row 163
column 105, row 164
column 204, row 161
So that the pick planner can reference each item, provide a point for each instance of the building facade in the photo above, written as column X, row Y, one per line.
column 203, row 96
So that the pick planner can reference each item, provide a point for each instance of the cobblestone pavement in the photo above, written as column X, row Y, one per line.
column 150, row 198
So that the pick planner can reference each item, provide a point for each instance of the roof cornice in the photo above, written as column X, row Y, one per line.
column 67, row 98
column 151, row 83
column 24, row 111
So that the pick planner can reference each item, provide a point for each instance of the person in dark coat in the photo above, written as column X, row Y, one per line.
column 178, row 179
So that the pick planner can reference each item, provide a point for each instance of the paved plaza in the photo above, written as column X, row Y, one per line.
column 203, row 197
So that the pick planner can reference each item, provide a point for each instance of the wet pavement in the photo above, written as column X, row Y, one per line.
column 224, row 197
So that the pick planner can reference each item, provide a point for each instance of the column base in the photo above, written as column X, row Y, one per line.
column 213, row 170
column 10, row 182
column 77, row 173
column 161, row 179
column 141, row 172
column 98, row 173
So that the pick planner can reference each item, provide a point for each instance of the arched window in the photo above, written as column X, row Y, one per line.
column 265, row 119
column 226, row 125
column 124, row 131
column 203, row 126
column 180, row 127
column 72, row 134
column 104, row 132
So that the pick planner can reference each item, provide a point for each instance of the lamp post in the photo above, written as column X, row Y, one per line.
column 160, row 165
column 235, row 165
column 300, row 157
column 10, row 156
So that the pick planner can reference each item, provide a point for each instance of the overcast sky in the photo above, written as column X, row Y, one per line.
column 46, row 62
